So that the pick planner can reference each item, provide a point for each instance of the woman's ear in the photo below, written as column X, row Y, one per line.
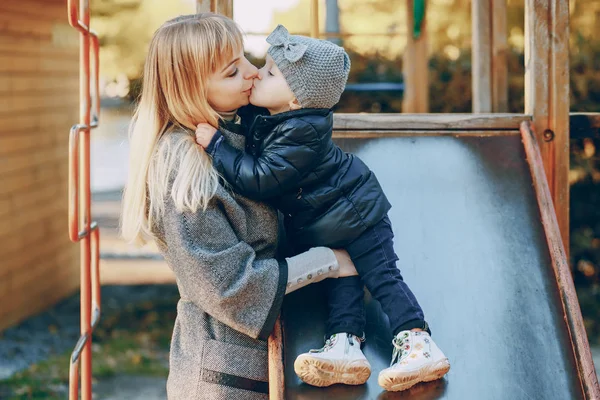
column 294, row 105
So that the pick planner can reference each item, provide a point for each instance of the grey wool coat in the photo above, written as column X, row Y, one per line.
column 231, row 289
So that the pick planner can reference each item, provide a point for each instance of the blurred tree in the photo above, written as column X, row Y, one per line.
column 125, row 28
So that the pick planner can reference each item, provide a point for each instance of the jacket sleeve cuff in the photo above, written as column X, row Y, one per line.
column 214, row 143
column 277, row 302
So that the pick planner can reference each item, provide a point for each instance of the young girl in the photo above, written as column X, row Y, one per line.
column 220, row 246
column 329, row 198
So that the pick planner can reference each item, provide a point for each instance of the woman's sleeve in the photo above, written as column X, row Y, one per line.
column 220, row 273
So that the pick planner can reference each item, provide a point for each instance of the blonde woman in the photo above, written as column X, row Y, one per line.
column 220, row 245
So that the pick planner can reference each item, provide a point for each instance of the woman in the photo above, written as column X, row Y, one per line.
column 221, row 246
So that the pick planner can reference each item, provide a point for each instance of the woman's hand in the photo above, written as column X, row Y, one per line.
column 345, row 262
column 204, row 134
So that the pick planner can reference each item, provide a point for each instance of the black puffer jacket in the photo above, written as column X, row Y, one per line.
column 328, row 197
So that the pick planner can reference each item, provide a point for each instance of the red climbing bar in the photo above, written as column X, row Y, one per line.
column 81, row 228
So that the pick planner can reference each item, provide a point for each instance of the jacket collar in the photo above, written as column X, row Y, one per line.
column 267, row 122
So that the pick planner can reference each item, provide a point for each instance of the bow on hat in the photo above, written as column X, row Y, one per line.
column 280, row 37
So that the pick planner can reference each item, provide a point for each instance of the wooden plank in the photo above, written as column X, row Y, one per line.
column 481, row 56
column 59, row 116
column 20, row 142
column 560, row 266
column 36, row 261
column 499, row 56
column 35, row 9
column 372, row 134
column 35, row 48
column 20, row 63
column 40, row 268
column 30, row 175
column 47, row 248
column 20, row 241
column 34, row 185
column 224, row 7
column 19, row 305
column 25, row 238
column 428, row 121
column 32, row 219
column 203, row 6
column 14, row 183
column 25, row 26
column 5, row 206
column 547, row 94
column 276, row 373
column 11, row 83
column 48, row 252
column 36, row 297
column 490, row 71
column 416, row 68
column 23, row 102
column 18, row 162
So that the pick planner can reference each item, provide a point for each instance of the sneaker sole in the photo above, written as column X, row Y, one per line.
column 321, row 373
column 395, row 382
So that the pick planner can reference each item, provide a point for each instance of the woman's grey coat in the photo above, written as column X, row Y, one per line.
column 231, row 293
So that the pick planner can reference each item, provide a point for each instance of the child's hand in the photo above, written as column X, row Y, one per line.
column 204, row 134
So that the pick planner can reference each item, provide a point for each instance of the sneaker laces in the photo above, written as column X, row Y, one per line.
column 360, row 340
column 399, row 344
column 329, row 342
column 328, row 345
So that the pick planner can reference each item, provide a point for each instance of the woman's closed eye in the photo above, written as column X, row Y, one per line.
column 234, row 73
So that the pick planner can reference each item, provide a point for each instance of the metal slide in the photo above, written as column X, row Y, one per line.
column 473, row 249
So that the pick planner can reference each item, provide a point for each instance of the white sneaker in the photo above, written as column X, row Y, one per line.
column 416, row 358
column 339, row 361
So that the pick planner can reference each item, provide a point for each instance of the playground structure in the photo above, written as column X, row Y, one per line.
column 490, row 189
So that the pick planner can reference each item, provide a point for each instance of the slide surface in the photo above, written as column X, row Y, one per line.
column 472, row 248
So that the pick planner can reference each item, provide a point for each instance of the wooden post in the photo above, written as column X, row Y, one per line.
column 276, row 374
column 560, row 267
column 314, row 18
column 416, row 61
column 499, row 57
column 224, row 7
column 205, row 6
column 490, row 72
column 547, row 95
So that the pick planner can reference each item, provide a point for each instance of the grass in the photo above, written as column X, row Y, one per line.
column 134, row 341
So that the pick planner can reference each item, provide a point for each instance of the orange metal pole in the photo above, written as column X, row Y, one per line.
column 85, row 278
column 81, row 227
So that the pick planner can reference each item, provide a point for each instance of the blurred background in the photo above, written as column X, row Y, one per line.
column 139, row 297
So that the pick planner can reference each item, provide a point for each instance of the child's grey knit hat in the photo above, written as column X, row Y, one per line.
column 316, row 70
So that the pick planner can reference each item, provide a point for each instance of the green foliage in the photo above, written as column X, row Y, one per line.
column 132, row 341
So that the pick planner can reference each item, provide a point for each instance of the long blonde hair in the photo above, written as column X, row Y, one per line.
column 183, row 53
